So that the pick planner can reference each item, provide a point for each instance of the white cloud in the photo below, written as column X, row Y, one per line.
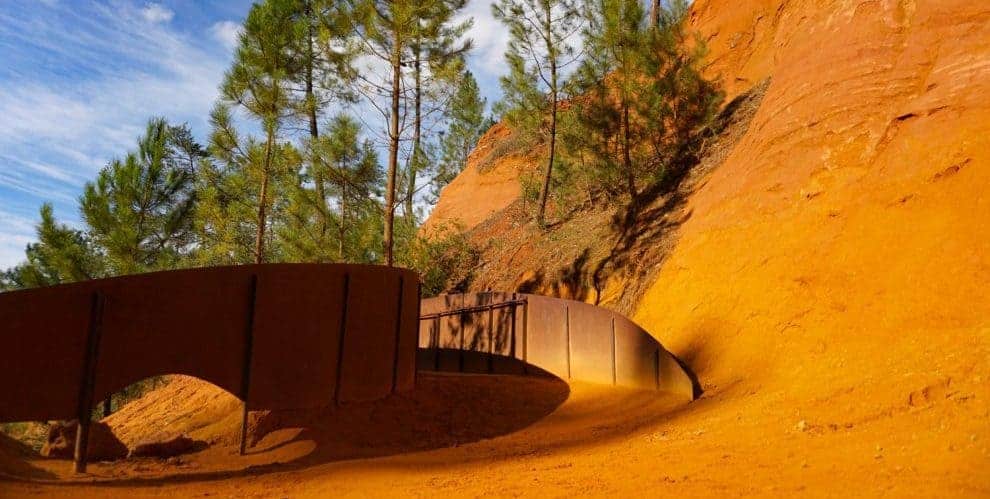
column 15, row 234
column 125, row 63
column 157, row 13
column 227, row 33
column 490, row 37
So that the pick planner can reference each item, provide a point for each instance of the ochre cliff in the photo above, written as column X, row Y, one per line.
column 830, row 276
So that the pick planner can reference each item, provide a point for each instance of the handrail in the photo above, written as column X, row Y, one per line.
column 569, row 339
column 468, row 310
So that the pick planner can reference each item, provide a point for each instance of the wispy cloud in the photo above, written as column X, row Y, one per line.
column 77, row 86
column 17, row 232
column 157, row 13
column 227, row 33
column 80, row 79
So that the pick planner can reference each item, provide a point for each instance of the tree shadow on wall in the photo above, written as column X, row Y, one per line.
column 569, row 282
column 645, row 230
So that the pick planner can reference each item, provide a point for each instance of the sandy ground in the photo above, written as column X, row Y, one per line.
column 598, row 442
column 829, row 289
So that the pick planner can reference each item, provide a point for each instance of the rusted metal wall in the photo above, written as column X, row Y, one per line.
column 283, row 336
column 571, row 340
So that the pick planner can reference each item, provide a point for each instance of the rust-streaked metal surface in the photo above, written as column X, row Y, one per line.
column 196, row 322
column 571, row 340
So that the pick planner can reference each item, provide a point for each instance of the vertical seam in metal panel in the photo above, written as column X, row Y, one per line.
column 514, row 332
column 435, row 330
column 491, row 335
column 343, row 330
column 567, row 333
column 460, row 333
column 419, row 310
column 248, row 354
column 88, row 381
column 398, row 335
column 525, row 347
column 613, row 350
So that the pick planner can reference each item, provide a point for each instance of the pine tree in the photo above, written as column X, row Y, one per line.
column 678, row 101
column 323, row 71
column 437, row 61
column 61, row 255
column 538, row 53
column 227, row 222
column 346, row 171
column 259, row 81
column 466, row 123
column 387, row 31
column 610, row 82
column 639, row 94
column 139, row 209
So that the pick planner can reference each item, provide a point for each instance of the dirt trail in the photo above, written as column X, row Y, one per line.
column 829, row 289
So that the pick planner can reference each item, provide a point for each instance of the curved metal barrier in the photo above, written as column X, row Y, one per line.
column 514, row 332
column 279, row 336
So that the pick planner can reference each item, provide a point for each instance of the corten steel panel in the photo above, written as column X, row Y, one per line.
column 297, row 325
column 635, row 355
column 450, row 339
column 370, row 335
column 43, row 336
column 181, row 322
column 405, row 375
column 475, row 330
column 591, row 342
column 673, row 379
column 429, row 334
column 546, row 340
column 506, row 341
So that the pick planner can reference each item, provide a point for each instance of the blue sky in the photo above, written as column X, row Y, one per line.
column 80, row 78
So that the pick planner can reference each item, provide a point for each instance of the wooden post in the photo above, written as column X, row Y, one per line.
column 86, row 386
column 248, row 352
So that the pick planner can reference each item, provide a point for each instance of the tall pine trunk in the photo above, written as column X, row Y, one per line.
column 417, row 134
column 545, row 192
column 314, row 130
column 259, row 242
column 342, row 228
column 626, row 155
column 393, row 149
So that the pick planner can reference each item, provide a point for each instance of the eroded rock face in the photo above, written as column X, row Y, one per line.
column 103, row 444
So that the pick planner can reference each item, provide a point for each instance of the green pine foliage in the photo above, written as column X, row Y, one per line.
column 139, row 208
column 466, row 123
column 61, row 255
column 259, row 82
column 397, row 34
column 287, row 175
column 639, row 97
column 332, row 205
column 540, row 49
column 231, row 199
